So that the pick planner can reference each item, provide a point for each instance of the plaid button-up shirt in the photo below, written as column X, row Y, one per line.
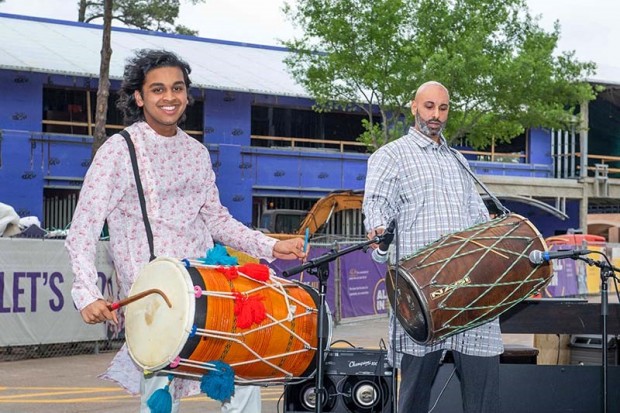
column 423, row 186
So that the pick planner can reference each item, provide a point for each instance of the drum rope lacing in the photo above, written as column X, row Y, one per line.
column 512, row 245
column 274, row 284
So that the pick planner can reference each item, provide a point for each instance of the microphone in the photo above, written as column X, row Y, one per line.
column 539, row 257
column 380, row 254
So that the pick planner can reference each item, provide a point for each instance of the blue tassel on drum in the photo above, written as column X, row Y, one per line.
column 161, row 400
column 218, row 256
column 219, row 384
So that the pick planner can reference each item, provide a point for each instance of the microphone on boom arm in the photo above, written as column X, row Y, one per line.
column 380, row 254
column 540, row 257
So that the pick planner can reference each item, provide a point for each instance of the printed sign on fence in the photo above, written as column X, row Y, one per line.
column 35, row 293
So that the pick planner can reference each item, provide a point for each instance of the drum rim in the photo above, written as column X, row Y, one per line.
column 410, row 280
column 543, row 243
column 185, row 330
column 533, row 227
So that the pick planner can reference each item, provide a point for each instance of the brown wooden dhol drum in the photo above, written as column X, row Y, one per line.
column 201, row 327
column 467, row 278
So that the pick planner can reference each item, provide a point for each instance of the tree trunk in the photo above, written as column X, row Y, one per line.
column 99, row 134
column 82, row 11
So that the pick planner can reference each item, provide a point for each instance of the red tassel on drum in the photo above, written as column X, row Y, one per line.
column 249, row 310
column 229, row 272
column 259, row 272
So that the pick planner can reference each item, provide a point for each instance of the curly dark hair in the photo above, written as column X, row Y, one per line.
column 136, row 69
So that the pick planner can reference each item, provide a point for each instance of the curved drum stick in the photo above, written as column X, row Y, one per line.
column 135, row 297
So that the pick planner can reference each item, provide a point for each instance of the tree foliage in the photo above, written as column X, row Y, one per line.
column 502, row 69
column 153, row 15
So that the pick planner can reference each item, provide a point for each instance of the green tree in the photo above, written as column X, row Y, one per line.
column 501, row 68
column 154, row 15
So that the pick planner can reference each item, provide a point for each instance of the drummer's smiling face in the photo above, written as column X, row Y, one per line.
column 430, row 108
column 163, row 99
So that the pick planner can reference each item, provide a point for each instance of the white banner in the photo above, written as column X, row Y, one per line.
column 35, row 293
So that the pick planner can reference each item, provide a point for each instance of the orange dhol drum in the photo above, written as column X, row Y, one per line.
column 467, row 278
column 201, row 327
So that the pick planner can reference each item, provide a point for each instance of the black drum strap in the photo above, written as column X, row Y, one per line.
column 136, row 173
column 498, row 204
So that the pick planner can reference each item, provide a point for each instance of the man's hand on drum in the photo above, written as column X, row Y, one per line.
column 291, row 249
column 98, row 312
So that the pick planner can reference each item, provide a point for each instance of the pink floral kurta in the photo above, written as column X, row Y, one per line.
column 184, row 210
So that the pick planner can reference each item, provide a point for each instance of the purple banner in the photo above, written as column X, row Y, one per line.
column 564, row 282
column 363, row 285
column 359, row 284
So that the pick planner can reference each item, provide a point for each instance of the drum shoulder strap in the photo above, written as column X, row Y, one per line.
column 136, row 173
column 496, row 201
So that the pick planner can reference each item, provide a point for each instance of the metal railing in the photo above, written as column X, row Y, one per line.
column 89, row 125
column 601, row 160
column 294, row 143
column 59, row 211
column 509, row 157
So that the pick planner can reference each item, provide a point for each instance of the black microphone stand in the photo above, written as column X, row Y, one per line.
column 319, row 267
column 607, row 272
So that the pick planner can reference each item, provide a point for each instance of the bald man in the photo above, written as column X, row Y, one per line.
column 418, row 181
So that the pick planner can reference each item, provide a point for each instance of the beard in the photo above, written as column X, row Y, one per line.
column 425, row 128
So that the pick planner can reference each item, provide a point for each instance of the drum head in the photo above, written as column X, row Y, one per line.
column 409, row 309
column 154, row 332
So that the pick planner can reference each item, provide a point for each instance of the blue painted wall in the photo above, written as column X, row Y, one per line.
column 547, row 224
column 20, row 100
column 21, row 174
column 31, row 160
column 512, row 169
column 539, row 143
column 227, row 117
column 243, row 172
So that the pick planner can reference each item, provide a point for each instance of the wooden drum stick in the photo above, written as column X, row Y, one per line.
column 125, row 301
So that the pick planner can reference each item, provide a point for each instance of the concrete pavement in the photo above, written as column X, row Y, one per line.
column 70, row 384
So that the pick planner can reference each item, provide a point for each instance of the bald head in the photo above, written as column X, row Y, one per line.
column 428, row 85
column 430, row 107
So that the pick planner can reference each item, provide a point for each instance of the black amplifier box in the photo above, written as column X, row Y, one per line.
column 357, row 362
column 355, row 381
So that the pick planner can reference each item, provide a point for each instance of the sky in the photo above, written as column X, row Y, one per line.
column 589, row 27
